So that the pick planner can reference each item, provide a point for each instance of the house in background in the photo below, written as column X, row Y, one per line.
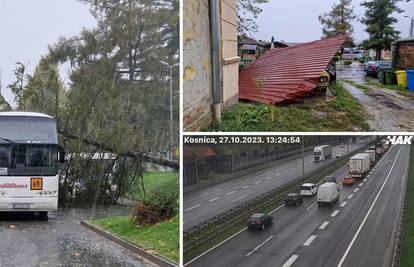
column 403, row 54
column 210, row 61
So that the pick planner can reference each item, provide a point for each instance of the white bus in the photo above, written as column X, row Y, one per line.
column 29, row 158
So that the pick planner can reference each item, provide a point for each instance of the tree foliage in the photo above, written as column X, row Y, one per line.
column 339, row 21
column 379, row 21
column 247, row 13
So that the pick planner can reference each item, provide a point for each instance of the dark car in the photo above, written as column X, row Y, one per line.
column 259, row 221
column 293, row 199
column 372, row 68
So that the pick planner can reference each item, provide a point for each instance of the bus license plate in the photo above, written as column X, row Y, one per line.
column 21, row 206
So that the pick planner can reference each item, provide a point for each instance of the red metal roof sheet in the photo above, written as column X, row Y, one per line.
column 287, row 75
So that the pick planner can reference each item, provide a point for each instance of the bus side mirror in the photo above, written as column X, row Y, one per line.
column 61, row 155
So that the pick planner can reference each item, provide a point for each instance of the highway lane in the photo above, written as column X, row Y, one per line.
column 304, row 235
column 205, row 203
column 364, row 233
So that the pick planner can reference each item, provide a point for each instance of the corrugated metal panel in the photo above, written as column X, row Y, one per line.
column 287, row 75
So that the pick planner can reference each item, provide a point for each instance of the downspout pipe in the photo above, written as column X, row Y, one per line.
column 215, row 58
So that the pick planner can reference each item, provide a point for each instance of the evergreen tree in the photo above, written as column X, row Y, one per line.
column 379, row 21
column 338, row 21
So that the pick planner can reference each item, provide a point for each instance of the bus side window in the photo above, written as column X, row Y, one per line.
column 4, row 159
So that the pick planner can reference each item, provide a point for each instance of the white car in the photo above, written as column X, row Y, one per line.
column 308, row 189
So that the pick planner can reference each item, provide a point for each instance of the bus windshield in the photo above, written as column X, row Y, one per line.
column 28, row 159
column 28, row 129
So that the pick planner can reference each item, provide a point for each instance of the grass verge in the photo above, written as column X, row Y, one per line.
column 152, row 181
column 162, row 238
column 407, row 255
column 343, row 113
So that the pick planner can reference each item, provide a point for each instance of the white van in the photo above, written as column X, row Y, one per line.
column 328, row 193
column 308, row 189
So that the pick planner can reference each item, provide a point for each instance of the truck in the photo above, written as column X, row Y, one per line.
column 385, row 145
column 378, row 150
column 328, row 193
column 372, row 156
column 358, row 165
column 321, row 153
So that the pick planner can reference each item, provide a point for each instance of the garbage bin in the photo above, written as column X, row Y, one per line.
column 381, row 76
column 410, row 79
column 390, row 76
column 401, row 78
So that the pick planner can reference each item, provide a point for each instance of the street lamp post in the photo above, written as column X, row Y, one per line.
column 411, row 33
column 170, row 67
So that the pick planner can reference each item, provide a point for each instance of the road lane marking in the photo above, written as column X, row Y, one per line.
column 334, row 213
column 219, row 244
column 343, row 204
column 237, row 199
column 285, row 171
column 247, row 186
column 368, row 213
column 313, row 204
column 258, row 182
column 277, row 174
column 350, row 196
column 356, row 190
column 229, row 193
column 261, row 244
column 323, row 225
column 290, row 261
column 365, row 180
column 281, row 206
column 361, row 184
column 193, row 207
column 268, row 178
column 309, row 241
column 213, row 199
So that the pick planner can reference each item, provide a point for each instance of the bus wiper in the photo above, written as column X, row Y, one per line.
column 8, row 140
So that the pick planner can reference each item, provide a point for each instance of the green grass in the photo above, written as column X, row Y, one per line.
column 162, row 238
column 342, row 114
column 407, row 255
column 152, row 181
column 364, row 88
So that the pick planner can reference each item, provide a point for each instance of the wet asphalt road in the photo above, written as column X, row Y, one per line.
column 60, row 241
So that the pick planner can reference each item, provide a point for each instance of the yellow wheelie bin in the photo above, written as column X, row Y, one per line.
column 401, row 78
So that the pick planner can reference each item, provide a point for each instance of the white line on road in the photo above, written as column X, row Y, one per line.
column 323, row 225
column 281, row 206
column 309, row 241
column 268, row 178
column 237, row 199
column 356, row 190
column 365, row 180
column 213, row 199
column 232, row 192
column 313, row 204
column 193, row 207
column 361, row 184
column 261, row 244
column 247, row 186
column 258, row 182
column 285, row 171
column 350, row 196
column 343, row 204
column 334, row 213
column 369, row 211
column 290, row 261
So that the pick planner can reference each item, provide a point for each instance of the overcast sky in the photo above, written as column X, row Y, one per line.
column 27, row 27
column 297, row 20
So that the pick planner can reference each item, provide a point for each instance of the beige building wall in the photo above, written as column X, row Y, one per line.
column 197, row 76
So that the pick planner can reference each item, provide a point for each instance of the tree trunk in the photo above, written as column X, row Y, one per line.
column 378, row 54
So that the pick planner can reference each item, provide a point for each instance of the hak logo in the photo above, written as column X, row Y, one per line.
column 399, row 139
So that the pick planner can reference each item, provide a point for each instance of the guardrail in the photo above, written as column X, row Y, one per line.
column 205, row 231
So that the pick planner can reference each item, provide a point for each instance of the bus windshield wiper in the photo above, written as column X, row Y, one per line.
column 8, row 140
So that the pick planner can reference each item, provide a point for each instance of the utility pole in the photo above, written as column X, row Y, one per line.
column 170, row 147
column 411, row 31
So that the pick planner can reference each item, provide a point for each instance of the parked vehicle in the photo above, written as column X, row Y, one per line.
column 378, row 150
column 385, row 145
column 293, row 199
column 308, row 189
column 321, row 153
column 359, row 164
column 259, row 221
column 372, row 156
column 348, row 181
column 328, row 193
column 338, row 156
column 372, row 68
